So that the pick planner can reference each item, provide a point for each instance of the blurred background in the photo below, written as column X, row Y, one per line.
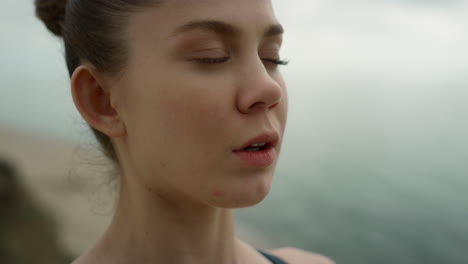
column 374, row 164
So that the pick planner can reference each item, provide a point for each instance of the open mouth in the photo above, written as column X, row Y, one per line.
column 258, row 155
column 260, row 144
column 257, row 147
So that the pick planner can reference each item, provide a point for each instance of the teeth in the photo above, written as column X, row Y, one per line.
column 258, row 145
column 254, row 149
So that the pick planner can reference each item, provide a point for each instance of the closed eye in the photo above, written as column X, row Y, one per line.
column 277, row 61
column 212, row 60
column 226, row 59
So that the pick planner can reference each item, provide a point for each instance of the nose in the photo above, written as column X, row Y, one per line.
column 259, row 89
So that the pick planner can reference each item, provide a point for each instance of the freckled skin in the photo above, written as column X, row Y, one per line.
column 177, row 122
column 218, row 193
column 183, row 119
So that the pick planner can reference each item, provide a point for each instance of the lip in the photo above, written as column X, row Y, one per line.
column 271, row 138
column 261, row 158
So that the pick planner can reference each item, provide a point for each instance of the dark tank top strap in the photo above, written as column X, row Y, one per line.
column 273, row 259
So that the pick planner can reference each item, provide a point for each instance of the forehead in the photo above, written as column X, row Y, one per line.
column 250, row 16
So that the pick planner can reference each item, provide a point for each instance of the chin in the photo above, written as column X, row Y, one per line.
column 236, row 204
column 241, row 198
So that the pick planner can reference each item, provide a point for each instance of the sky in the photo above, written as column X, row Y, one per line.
column 397, row 37
column 337, row 48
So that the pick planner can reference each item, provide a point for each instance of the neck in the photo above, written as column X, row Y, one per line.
column 149, row 228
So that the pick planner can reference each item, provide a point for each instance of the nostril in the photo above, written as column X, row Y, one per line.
column 273, row 106
column 255, row 105
column 262, row 104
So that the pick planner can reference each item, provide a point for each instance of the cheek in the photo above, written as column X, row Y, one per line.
column 285, row 104
column 176, row 122
column 281, row 111
column 191, row 116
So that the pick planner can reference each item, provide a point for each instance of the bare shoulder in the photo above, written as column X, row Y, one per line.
column 298, row 256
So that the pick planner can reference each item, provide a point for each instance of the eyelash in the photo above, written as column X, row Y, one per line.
column 225, row 59
column 212, row 60
column 278, row 62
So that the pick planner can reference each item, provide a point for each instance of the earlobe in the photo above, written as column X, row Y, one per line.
column 93, row 101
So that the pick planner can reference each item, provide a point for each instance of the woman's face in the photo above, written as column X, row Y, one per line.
column 200, row 83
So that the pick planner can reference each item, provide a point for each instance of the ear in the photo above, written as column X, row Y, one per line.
column 93, row 101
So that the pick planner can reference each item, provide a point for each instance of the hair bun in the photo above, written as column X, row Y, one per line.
column 52, row 13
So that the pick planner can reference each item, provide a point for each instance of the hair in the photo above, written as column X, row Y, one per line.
column 93, row 32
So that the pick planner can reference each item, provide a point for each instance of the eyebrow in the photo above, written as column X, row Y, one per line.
column 224, row 29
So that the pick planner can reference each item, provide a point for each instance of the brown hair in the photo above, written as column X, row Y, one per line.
column 92, row 31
